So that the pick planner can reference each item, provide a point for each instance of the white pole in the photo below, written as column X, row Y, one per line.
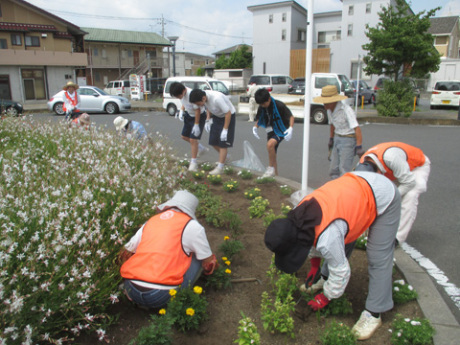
column 306, row 112
column 357, row 86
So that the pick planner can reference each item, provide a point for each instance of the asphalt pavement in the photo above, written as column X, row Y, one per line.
column 430, row 300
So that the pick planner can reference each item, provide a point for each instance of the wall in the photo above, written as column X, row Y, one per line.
column 448, row 70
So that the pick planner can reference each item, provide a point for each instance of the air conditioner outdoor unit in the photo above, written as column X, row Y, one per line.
column 44, row 35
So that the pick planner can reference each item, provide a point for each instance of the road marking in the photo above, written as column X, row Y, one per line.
column 452, row 291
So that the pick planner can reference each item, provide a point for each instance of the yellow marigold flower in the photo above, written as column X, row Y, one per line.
column 162, row 311
column 224, row 258
column 228, row 271
column 257, row 189
column 227, row 262
column 226, row 238
column 172, row 292
column 190, row 311
column 198, row 290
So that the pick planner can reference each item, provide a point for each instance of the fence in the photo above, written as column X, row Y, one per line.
column 321, row 61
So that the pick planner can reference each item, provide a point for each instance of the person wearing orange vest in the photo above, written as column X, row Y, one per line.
column 168, row 252
column 71, row 100
column 333, row 217
column 409, row 167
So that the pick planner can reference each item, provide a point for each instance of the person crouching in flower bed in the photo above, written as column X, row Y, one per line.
column 168, row 252
column 82, row 121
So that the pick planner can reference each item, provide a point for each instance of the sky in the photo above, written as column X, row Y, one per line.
column 203, row 26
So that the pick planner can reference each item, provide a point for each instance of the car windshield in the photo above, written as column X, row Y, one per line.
column 447, row 86
column 219, row 86
column 102, row 92
column 260, row 80
column 345, row 82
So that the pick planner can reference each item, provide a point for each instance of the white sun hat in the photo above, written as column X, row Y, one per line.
column 120, row 122
column 184, row 201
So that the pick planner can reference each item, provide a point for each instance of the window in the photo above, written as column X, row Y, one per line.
column 284, row 17
column 270, row 18
column 301, row 35
column 368, row 7
column 283, row 35
column 95, row 51
column 279, row 80
column 130, row 53
column 350, row 10
column 235, row 74
column 191, row 61
column 32, row 41
column 354, row 70
column 103, row 53
column 16, row 40
column 3, row 44
column 326, row 37
column 350, row 30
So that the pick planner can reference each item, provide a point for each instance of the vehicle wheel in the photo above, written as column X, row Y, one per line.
column 111, row 108
column 319, row 116
column 432, row 107
column 58, row 108
column 12, row 111
column 171, row 109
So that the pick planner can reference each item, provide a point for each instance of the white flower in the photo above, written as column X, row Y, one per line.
column 415, row 323
column 407, row 319
column 396, row 288
column 400, row 282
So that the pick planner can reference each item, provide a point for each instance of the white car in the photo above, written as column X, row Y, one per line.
column 445, row 93
column 92, row 100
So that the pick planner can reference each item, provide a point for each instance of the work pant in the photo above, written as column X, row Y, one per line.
column 409, row 201
column 252, row 108
column 343, row 153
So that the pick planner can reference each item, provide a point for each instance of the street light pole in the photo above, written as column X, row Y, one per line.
column 173, row 39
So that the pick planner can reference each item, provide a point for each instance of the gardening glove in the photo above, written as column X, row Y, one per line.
column 210, row 266
column 319, row 302
column 223, row 135
column 359, row 151
column 207, row 125
column 314, row 267
column 181, row 115
column 254, row 131
column 123, row 256
column 196, row 130
column 288, row 134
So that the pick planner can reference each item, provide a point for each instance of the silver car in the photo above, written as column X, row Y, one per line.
column 92, row 100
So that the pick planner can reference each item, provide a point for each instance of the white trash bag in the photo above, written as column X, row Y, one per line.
column 250, row 160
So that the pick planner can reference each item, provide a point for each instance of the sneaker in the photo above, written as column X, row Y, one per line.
column 216, row 171
column 366, row 325
column 202, row 150
column 193, row 167
column 269, row 172
column 314, row 287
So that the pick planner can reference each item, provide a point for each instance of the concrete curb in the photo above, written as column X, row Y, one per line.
column 409, row 121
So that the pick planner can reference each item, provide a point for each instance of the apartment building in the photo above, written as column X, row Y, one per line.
column 188, row 63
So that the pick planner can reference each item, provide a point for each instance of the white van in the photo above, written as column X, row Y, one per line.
column 274, row 83
column 118, row 88
column 172, row 104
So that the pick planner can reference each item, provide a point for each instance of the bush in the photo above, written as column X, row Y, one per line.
column 158, row 332
column 231, row 247
column 336, row 333
column 402, row 292
column 187, row 307
column 405, row 331
column 395, row 99
column 69, row 199
column 247, row 332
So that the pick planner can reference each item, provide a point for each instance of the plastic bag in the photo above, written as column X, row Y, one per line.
column 250, row 161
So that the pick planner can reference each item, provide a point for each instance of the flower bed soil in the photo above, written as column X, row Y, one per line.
column 225, row 306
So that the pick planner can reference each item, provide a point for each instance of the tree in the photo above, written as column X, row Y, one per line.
column 400, row 45
column 240, row 58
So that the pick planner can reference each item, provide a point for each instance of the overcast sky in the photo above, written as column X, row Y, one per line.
column 203, row 26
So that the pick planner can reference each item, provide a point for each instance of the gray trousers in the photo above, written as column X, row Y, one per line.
column 380, row 250
column 343, row 153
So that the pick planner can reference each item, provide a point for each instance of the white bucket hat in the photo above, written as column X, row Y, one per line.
column 120, row 122
column 184, row 201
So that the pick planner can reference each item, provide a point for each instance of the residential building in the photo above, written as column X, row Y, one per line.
column 446, row 32
column 187, row 64
column 115, row 54
column 228, row 51
column 39, row 52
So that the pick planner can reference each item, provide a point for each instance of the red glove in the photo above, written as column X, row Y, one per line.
column 314, row 263
column 319, row 302
column 210, row 265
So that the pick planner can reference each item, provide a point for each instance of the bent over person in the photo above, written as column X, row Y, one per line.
column 168, row 252
column 410, row 168
column 332, row 217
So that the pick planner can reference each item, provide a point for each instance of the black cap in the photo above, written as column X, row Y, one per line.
column 366, row 166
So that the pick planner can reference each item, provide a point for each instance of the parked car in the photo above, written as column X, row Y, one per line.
column 275, row 83
column 379, row 87
column 364, row 90
column 298, row 86
column 92, row 100
column 172, row 104
column 11, row 108
column 446, row 94
column 118, row 88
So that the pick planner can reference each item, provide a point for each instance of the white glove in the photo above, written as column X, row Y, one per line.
column 223, row 135
column 196, row 130
column 288, row 134
column 207, row 125
column 181, row 115
column 254, row 131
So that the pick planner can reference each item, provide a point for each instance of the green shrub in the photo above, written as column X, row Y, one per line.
column 405, row 331
column 158, row 332
column 207, row 166
column 245, row 174
column 231, row 186
column 231, row 247
column 270, row 216
column 336, row 333
column 395, row 99
column 222, row 276
column 361, row 242
column 252, row 193
column 258, row 207
column 247, row 332
column 187, row 307
column 402, row 292
column 264, row 180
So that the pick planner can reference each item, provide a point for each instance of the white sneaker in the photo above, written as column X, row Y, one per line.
column 202, row 150
column 216, row 171
column 193, row 167
column 366, row 325
column 269, row 172
column 314, row 287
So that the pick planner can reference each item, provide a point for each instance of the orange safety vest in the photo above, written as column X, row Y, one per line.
column 73, row 101
column 348, row 198
column 160, row 258
column 414, row 156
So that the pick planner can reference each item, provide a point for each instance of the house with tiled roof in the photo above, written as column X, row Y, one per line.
column 446, row 32
column 115, row 54
column 39, row 52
